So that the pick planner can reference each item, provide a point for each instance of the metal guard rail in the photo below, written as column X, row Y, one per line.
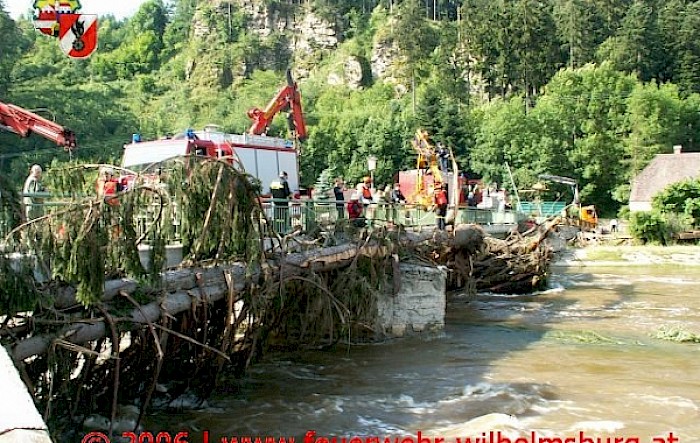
column 307, row 214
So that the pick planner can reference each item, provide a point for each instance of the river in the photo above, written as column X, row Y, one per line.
column 585, row 359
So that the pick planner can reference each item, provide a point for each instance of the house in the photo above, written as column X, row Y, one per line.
column 664, row 170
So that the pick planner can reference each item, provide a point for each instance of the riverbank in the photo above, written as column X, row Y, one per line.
column 626, row 255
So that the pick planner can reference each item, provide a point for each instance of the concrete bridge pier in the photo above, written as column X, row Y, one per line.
column 419, row 306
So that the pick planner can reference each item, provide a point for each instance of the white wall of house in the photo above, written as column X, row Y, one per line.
column 640, row 206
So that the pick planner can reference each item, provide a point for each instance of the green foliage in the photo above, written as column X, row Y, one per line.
column 10, row 48
column 17, row 291
column 682, row 199
column 323, row 186
column 153, row 75
column 502, row 136
column 635, row 46
column 577, row 26
column 217, row 209
column 688, row 56
column 89, row 239
column 415, row 36
column 655, row 122
column 650, row 227
column 350, row 126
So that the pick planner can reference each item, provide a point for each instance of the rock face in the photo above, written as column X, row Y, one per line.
column 294, row 35
column 314, row 33
column 352, row 74
column 309, row 37
column 384, row 53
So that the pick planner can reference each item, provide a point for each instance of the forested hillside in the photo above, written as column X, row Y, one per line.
column 589, row 89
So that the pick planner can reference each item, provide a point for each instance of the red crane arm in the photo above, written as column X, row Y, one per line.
column 23, row 123
column 287, row 99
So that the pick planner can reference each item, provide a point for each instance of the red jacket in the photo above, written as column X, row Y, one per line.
column 441, row 197
column 354, row 209
column 107, row 189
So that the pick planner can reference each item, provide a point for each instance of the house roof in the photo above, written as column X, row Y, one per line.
column 664, row 169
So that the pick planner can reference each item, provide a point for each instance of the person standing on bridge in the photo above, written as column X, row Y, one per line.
column 32, row 185
column 280, row 203
column 441, row 202
column 107, row 186
column 339, row 195
column 364, row 189
column 355, row 210
column 443, row 158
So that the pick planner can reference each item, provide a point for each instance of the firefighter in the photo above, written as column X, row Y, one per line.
column 107, row 186
column 364, row 189
column 441, row 206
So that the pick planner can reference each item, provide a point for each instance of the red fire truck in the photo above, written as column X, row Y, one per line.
column 261, row 156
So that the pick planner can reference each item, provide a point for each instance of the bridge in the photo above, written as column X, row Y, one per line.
column 306, row 215
column 255, row 274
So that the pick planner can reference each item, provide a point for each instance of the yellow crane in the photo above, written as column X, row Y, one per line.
column 426, row 164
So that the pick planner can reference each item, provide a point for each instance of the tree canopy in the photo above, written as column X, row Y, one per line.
column 586, row 89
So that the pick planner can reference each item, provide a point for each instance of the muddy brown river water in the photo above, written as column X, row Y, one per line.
column 594, row 357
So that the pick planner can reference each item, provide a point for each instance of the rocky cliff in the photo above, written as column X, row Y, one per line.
column 302, row 38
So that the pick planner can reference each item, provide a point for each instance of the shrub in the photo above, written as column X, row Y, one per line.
column 683, row 199
column 650, row 227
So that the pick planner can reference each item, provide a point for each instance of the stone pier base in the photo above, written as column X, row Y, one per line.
column 419, row 307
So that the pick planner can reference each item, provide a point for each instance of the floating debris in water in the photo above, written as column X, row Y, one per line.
column 677, row 334
column 587, row 337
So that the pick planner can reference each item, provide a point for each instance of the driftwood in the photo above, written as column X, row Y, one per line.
column 83, row 332
column 185, row 328
column 517, row 264
column 173, row 280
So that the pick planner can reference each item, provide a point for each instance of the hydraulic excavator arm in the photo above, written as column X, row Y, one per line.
column 23, row 123
column 287, row 99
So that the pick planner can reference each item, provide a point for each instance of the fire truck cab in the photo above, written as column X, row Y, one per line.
column 260, row 156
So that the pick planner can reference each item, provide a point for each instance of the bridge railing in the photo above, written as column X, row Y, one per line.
column 286, row 216
column 43, row 202
column 306, row 214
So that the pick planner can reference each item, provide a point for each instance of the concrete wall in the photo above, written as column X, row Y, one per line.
column 419, row 307
column 19, row 419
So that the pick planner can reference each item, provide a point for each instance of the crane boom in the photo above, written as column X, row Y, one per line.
column 426, row 164
column 287, row 99
column 23, row 123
